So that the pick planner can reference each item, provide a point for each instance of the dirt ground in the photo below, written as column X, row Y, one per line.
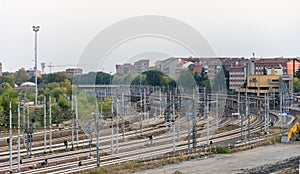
column 250, row 161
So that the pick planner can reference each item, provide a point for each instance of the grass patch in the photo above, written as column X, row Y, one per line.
column 277, row 138
column 219, row 150
column 131, row 167
column 124, row 167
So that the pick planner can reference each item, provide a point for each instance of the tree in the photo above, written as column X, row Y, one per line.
column 226, row 74
column 124, row 79
column 93, row 78
column 298, row 73
column 8, row 78
column 57, row 77
column 86, row 106
column 219, row 82
column 102, row 78
column 139, row 79
column 296, row 84
column 63, row 104
column 85, row 78
column 39, row 80
column 8, row 95
column 106, row 107
column 21, row 76
column 153, row 77
column 202, row 79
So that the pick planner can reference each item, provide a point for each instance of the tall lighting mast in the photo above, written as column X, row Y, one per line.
column 35, row 29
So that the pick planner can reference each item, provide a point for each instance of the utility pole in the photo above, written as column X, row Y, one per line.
column 189, row 129
column 27, row 117
column 166, row 109
column 101, row 102
column 10, row 139
column 24, row 119
column 174, row 142
column 248, row 115
column 217, row 111
column 50, row 124
column 28, row 131
column 206, row 115
column 280, row 109
column 173, row 126
column 178, row 125
column 173, row 107
column 123, row 107
column 72, row 108
column 194, row 122
column 141, row 95
column 268, row 107
column 112, row 128
column 117, row 127
column 72, row 132
column 274, row 99
column 179, row 114
column 241, row 120
column 160, row 102
column 145, row 107
column 91, row 139
column 260, row 117
column 45, row 126
column 35, row 29
column 19, row 159
column 265, row 113
column 76, row 113
column 141, row 107
column 97, row 134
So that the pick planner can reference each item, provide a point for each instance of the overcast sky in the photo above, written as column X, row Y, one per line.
column 233, row 28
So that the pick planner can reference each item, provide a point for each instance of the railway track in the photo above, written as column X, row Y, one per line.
column 141, row 154
column 130, row 149
column 83, row 153
column 61, row 147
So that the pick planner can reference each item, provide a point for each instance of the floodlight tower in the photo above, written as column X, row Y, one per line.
column 35, row 29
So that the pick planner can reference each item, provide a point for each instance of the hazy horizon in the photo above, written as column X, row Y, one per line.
column 232, row 28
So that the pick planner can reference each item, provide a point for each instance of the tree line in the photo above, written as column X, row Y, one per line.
column 59, row 86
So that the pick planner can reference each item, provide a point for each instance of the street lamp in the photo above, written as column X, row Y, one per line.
column 35, row 29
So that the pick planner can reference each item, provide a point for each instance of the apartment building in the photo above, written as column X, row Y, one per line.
column 126, row 68
column 141, row 65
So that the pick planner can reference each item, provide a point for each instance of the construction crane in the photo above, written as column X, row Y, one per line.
column 43, row 65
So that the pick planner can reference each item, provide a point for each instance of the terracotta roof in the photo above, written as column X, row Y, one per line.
column 272, row 60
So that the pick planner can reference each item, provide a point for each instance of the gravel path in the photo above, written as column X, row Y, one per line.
column 291, row 164
column 247, row 161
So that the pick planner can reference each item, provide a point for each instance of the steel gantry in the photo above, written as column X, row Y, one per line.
column 286, row 97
